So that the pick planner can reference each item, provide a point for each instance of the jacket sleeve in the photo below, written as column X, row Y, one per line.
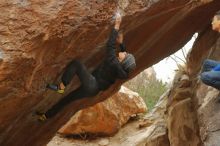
column 110, row 46
column 122, row 47
column 121, row 73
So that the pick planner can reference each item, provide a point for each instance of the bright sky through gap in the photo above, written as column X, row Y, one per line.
column 165, row 69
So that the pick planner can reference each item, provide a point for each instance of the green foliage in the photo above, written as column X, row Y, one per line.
column 150, row 89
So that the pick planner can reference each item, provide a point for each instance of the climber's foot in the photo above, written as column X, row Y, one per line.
column 55, row 88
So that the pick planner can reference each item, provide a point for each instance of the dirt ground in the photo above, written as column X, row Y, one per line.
column 129, row 135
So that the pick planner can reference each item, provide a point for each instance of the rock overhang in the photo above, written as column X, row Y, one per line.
column 41, row 37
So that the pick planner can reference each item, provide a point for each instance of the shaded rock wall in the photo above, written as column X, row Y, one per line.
column 181, row 118
column 208, row 115
column 208, row 105
column 193, row 111
column 39, row 37
column 155, row 124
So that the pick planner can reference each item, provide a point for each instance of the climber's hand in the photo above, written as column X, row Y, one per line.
column 118, row 21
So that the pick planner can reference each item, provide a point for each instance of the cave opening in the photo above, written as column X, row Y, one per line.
column 154, row 81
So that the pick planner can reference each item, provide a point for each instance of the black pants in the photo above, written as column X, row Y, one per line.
column 88, row 88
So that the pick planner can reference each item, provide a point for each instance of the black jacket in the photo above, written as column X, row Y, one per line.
column 110, row 69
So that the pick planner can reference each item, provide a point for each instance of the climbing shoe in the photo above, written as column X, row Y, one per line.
column 55, row 88
column 41, row 116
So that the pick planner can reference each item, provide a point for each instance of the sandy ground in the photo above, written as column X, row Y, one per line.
column 129, row 135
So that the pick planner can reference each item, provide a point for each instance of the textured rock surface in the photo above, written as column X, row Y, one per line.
column 182, row 124
column 209, row 106
column 193, row 108
column 184, row 117
column 209, row 115
column 153, row 132
column 39, row 37
column 107, row 117
column 156, row 124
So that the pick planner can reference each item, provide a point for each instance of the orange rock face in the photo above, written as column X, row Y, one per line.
column 107, row 117
column 39, row 37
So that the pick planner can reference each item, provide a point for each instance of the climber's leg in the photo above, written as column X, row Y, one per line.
column 88, row 88
column 209, row 64
column 77, row 94
column 211, row 78
column 73, row 68
column 85, row 90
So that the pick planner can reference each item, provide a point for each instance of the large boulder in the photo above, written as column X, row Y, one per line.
column 107, row 117
column 39, row 37
column 150, row 131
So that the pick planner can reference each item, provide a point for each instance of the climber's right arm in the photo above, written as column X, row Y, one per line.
column 111, row 43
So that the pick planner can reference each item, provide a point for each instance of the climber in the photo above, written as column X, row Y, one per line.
column 113, row 67
column 211, row 69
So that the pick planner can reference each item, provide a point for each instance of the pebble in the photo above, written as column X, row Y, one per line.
column 103, row 142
